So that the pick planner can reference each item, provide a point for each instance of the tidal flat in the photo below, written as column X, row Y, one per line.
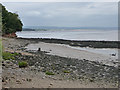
column 46, row 70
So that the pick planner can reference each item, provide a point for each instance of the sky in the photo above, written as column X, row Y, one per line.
column 66, row 14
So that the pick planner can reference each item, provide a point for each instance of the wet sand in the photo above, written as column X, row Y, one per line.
column 66, row 51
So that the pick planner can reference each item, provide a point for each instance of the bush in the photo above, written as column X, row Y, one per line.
column 23, row 64
column 49, row 73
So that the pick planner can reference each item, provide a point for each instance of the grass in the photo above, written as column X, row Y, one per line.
column 8, row 56
column 65, row 71
column 16, row 54
column 49, row 73
column 23, row 64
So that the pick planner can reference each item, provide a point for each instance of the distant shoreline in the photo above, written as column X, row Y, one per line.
column 79, row 43
column 67, row 28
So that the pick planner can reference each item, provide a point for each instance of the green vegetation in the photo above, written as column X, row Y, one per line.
column 65, row 71
column 23, row 64
column 49, row 73
column 8, row 56
column 15, row 54
column 0, row 18
column 10, row 22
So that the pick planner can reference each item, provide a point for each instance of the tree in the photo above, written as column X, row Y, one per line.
column 10, row 22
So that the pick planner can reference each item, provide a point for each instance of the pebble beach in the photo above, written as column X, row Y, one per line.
column 52, row 68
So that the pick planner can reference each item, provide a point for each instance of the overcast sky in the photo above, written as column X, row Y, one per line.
column 69, row 14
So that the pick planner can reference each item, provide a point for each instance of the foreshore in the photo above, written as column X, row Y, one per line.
column 79, row 43
column 68, row 72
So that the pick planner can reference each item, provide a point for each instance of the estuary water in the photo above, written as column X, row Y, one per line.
column 78, row 34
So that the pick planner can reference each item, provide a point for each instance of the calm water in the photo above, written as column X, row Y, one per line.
column 108, row 35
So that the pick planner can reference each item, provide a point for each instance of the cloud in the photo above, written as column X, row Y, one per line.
column 67, row 14
column 33, row 13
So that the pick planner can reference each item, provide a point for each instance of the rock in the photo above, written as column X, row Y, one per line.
column 10, row 35
column 82, row 71
column 17, row 80
column 54, row 78
column 60, row 79
column 6, row 88
column 3, row 64
column 13, row 77
column 8, row 61
column 3, row 80
column 4, row 83
column 23, row 79
column 9, row 79
column 19, row 83
column 29, row 80
column 91, row 80
column 13, row 67
column 39, row 49
column 51, row 84
column 113, row 54
column 43, row 77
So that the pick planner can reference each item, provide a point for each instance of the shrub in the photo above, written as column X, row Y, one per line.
column 49, row 73
column 23, row 64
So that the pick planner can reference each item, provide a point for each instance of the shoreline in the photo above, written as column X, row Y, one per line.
column 68, row 72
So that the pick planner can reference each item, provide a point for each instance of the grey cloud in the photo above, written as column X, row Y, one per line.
column 66, row 14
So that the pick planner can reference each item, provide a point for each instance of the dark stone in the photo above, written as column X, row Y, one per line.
column 39, row 49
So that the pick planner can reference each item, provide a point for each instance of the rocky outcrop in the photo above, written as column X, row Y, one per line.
column 11, row 35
